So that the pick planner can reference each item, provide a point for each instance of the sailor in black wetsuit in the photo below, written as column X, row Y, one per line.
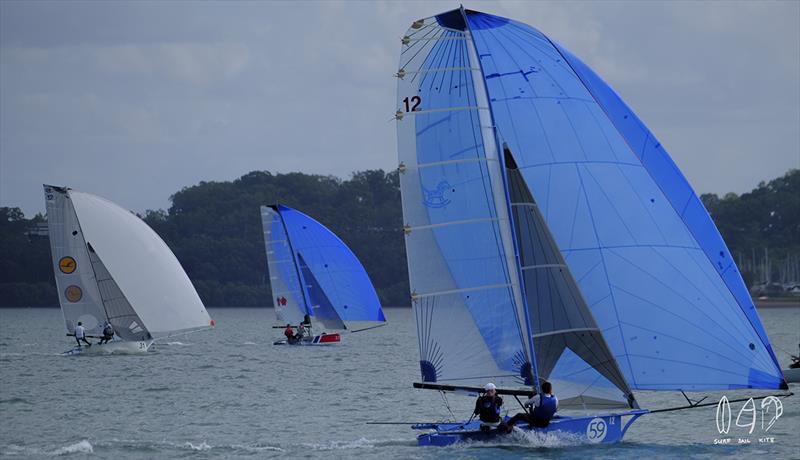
column 487, row 407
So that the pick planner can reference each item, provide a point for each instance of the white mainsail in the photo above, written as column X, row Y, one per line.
column 284, row 279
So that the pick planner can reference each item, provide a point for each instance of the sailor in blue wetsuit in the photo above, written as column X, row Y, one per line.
column 544, row 407
column 487, row 407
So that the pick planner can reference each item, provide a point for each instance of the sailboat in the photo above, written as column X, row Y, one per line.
column 550, row 237
column 112, row 268
column 315, row 276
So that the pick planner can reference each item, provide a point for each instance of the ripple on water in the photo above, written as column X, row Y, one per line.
column 13, row 401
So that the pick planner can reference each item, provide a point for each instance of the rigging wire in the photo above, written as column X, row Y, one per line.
column 447, row 405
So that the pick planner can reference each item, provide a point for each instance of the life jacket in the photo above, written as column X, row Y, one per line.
column 488, row 408
column 547, row 407
column 288, row 332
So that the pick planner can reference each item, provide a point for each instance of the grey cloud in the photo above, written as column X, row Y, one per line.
column 134, row 100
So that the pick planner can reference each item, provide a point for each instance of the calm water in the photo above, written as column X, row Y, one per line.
column 229, row 393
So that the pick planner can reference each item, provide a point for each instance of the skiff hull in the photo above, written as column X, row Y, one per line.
column 605, row 429
column 317, row 340
column 115, row 347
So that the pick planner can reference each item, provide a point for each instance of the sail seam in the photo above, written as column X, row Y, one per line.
column 440, row 39
column 449, row 162
column 452, row 222
column 437, row 69
column 446, row 109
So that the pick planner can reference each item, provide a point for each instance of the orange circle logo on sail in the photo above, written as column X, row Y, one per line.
column 73, row 293
column 67, row 265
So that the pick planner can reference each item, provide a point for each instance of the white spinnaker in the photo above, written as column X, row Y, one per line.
column 144, row 268
column 66, row 244
column 287, row 295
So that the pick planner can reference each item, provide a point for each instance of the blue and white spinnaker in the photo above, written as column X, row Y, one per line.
column 312, row 272
column 550, row 236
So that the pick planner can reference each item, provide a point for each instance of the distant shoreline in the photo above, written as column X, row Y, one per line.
column 778, row 303
column 763, row 303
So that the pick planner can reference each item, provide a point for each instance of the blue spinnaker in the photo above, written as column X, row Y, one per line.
column 334, row 270
column 319, row 303
column 652, row 266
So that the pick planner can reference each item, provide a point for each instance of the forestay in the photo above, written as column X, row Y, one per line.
column 648, row 259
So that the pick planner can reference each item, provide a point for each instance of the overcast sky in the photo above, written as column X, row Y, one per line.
column 133, row 101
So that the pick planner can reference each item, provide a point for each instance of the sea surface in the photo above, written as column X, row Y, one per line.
column 229, row 393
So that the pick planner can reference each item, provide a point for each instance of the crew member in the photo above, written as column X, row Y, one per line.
column 544, row 407
column 80, row 335
column 487, row 407
column 108, row 333
column 289, row 333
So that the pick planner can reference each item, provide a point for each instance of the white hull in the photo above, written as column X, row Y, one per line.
column 792, row 375
column 115, row 347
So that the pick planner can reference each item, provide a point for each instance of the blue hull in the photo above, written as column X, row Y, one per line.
column 596, row 429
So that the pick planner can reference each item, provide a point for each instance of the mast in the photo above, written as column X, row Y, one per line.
column 516, row 269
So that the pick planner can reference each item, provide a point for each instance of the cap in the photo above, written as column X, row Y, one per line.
column 489, row 386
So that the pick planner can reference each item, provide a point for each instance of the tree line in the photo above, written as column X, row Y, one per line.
column 214, row 229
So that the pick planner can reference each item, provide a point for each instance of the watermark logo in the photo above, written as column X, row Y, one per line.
column 748, row 417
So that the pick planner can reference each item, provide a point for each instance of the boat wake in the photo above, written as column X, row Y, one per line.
column 80, row 447
column 361, row 443
column 551, row 439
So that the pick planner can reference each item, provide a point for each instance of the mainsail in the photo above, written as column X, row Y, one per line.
column 313, row 272
column 463, row 272
column 606, row 284
column 110, row 266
